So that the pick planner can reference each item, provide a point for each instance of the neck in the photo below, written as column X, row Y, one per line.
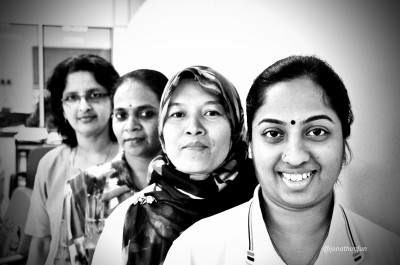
column 93, row 143
column 297, row 234
column 287, row 221
column 93, row 150
column 139, row 167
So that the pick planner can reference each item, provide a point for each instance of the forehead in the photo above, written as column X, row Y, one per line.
column 294, row 99
column 189, row 91
column 133, row 93
column 81, row 81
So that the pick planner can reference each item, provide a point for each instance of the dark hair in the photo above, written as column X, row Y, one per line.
column 103, row 72
column 153, row 79
column 313, row 68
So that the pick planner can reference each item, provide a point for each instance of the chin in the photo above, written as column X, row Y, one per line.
column 193, row 170
column 132, row 152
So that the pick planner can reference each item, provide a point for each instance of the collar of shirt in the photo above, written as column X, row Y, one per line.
column 340, row 247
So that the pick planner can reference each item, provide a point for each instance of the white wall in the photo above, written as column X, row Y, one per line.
column 240, row 38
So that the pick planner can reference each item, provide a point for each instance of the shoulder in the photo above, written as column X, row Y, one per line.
column 369, row 230
column 58, row 153
column 53, row 162
column 382, row 245
column 221, row 225
column 219, row 239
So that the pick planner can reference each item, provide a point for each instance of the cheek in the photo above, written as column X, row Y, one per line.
column 68, row 112
column 117, row 128
column 104, row 110
column 170, row 141
column 152, row 130
column 264, row 158
column 222, row 141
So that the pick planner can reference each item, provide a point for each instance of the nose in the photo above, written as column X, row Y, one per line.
column 132, row 123
column 194, row 126
column 295, row 152
column 84, row 104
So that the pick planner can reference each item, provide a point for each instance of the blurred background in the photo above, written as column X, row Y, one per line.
column 238, row 38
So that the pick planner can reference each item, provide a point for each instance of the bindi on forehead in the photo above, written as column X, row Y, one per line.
column 293, row 122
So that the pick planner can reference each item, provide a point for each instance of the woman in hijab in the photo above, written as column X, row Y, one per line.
column 203, row 170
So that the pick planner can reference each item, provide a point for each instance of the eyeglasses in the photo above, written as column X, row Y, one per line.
column 91, row 98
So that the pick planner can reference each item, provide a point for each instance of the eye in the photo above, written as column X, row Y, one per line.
column 148, row 114
column 71, row 98
column 97, row 95
column 177, row 115
column 273, row 135
column 213, row 113
column 318, row 134
column 120, row 116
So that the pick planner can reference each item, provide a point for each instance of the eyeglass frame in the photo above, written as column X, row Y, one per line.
column 88, row 97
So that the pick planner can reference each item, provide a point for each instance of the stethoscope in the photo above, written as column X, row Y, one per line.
column 250, row 255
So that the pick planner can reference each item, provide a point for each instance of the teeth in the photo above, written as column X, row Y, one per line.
column 296, row 177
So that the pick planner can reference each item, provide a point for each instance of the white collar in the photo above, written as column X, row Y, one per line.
column 342, row 238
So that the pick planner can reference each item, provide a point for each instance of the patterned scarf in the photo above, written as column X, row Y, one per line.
column 107, row 185
column 158, row 217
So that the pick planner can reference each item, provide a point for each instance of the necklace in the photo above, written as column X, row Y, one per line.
column 315, row 252
column 105, row 160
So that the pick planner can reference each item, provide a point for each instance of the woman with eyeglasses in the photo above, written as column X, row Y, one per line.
column 80, row 102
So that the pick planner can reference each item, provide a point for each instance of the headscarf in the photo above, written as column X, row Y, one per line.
column 217, row 84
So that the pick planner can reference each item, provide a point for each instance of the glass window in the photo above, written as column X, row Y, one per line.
column 18, row 91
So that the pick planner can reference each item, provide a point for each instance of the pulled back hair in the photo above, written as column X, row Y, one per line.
column 104, row 74
column 153, row 79
column 321, row 73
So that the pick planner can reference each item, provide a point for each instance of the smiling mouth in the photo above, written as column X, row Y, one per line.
column 297, row 177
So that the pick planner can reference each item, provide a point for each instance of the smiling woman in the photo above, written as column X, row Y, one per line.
column 79, row 87
column 196, row 131
column 299, row 117
column 203, row 170
column 135, row 118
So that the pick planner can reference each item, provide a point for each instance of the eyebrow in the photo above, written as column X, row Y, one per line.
column 311, row 119
column 211, row 102
column 139, row 108
column 99, row 89
column 268, row 120
column 318, row 117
